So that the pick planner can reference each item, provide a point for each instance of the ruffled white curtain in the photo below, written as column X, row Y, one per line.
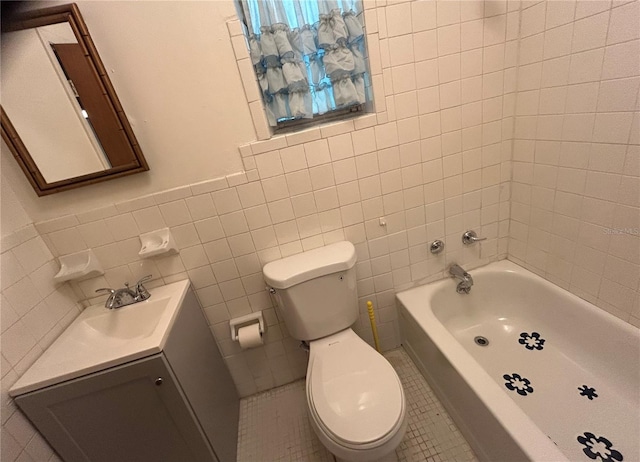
column 308, row 55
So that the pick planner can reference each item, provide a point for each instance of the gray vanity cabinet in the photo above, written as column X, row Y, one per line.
column 119, row 414
column 178, row 405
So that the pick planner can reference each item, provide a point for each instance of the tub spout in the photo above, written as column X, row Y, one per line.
column 466, row 281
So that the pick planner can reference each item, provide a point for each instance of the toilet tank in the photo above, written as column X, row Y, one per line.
column 316, row 290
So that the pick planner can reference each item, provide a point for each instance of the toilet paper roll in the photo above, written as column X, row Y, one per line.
column 249, row 336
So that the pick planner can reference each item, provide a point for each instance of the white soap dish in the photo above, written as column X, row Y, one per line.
column 157, row 242
column 78, row 265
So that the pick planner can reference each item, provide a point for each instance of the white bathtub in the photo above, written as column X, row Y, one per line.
column 552, row 417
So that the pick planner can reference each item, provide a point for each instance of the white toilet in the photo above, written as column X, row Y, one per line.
column 356, row 401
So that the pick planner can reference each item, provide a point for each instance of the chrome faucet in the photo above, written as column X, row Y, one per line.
column 126, row 296
column 466, row 281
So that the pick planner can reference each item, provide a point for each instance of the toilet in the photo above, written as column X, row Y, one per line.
column 354, row 396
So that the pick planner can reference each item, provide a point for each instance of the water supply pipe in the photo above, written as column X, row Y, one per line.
column 374, row 329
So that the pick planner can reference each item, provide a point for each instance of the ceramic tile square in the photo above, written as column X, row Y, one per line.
column 448, row 13
column 69, row 240
column 251, row 194
column 364, row 141
column 586, row 66
column 175, row 213
column 401, row 50
column 618, row 95
column 559, row 13
column 33, row 253
column 200, row 206
column 269, row 164
column 622, row 60
column 299, row 182
column 303, row 205
column 495, row 30
column 449, row 39
column 427, row 73
column 423, row 16
column 317, row 153
column 471, row 34
column 209, row 229
column 234, row 223
column 322, row 176
column 281, row 210
column 217, row 250
column 149, row 219
column 624, row 23
column 425, row 45
column 293, row 158
column 264, row 238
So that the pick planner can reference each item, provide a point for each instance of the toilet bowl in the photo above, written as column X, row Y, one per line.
column 355, row 399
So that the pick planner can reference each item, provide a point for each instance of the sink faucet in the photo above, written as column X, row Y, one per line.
column 466, row 281
column 126, row 296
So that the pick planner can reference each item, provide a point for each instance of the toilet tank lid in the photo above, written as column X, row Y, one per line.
column 289, row 271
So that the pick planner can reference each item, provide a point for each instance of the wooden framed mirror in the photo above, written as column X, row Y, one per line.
column 60, row 115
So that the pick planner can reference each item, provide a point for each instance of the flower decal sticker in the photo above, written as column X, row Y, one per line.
column 595, row 447
column 531, row 342
column 588, row 392
column 518, row 384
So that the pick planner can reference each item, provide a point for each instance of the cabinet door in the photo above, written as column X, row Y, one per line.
column 134, row 412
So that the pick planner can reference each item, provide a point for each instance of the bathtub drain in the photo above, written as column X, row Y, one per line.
column 480, row 340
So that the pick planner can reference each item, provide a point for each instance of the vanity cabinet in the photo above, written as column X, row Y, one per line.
column 176, row 405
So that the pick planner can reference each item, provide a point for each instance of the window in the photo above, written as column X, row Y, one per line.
column 309, row 57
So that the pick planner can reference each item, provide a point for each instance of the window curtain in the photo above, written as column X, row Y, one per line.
column 308, row 55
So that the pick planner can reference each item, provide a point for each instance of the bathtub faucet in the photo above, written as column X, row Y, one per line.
column 466, row 281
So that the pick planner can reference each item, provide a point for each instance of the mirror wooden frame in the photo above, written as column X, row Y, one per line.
column 70, row 14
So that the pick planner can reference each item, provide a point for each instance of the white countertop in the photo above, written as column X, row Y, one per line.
column 100, row 338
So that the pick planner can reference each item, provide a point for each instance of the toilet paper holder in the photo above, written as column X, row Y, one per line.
column 236, row 323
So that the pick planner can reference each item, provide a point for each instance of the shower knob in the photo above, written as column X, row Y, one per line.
column 471, row 237
column 436, row 247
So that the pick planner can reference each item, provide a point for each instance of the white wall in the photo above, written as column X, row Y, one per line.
column 173, row 67
column 12, row 213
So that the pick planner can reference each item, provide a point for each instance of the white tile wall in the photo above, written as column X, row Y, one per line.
column 575, row 217
column 34, row 312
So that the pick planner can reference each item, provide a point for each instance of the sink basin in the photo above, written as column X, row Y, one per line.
column 100, row 338
column 129, row 322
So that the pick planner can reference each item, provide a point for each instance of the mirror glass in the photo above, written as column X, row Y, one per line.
column 60, row 116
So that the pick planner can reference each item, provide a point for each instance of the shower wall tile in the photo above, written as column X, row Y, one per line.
column 570, row 175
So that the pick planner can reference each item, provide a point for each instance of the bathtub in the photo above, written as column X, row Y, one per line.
column 558, row 379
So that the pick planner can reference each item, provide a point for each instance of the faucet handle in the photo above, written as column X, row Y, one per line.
column 470, row 237
column 141, row 290
column 110, row 299
column 106, row 289
column 146, row 278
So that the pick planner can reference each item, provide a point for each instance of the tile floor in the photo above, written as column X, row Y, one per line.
column 274, row 424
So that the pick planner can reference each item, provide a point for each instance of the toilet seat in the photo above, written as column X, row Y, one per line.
column 354, row 394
